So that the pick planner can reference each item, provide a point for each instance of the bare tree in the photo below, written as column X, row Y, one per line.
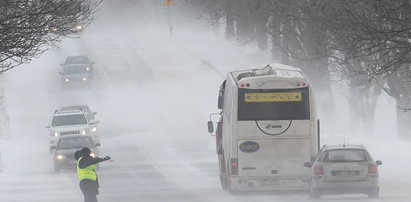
column 30, row 27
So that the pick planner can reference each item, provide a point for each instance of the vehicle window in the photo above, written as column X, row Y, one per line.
column 74, row 70
column 75, row 119
column 77, row 60
column 345, row 155
column 74, row 142
column 268, row 104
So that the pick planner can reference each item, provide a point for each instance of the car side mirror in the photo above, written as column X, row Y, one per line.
column 53, row 147
column 94, row 113
column 48, row 126
column 210, row 126
column 307, row 164
column 97, row 144
column 378, row 163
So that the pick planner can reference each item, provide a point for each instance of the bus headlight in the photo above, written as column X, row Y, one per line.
column 59, row 157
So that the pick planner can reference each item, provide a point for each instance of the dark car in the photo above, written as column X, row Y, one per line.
column 80, row 60
column 77, row 69
column 344, row 169
column 66, row 147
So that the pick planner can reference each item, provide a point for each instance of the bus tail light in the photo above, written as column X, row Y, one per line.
column 234, row 166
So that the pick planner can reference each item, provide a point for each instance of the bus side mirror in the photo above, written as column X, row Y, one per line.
column 210, row 127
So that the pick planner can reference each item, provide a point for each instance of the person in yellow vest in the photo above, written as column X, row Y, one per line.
column 86, row 170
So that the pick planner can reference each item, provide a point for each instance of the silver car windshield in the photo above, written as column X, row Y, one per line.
column 75, row 119
column 345, row 155
column 75, row 142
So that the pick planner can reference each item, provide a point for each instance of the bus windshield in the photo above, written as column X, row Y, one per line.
column 269, row 104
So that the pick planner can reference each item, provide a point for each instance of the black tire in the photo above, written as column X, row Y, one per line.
column 374, row 194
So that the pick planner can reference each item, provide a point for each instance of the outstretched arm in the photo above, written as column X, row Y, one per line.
column 88, row 161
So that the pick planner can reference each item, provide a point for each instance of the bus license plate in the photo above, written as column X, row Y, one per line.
column 270, row 182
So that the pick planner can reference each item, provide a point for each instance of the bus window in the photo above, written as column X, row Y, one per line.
column 221, row 95
column 269, row 104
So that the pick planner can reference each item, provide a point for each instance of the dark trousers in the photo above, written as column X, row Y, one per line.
column 89, row 189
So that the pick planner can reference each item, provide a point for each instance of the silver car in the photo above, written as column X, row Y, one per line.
column 344, row 169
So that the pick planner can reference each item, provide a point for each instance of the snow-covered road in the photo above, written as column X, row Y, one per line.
column 153, row 94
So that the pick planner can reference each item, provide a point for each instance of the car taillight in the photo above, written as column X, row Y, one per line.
column 372, row 168
column 318, row 170
column 234, row 166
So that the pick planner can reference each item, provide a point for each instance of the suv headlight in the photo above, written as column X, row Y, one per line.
column 84, row 131
column 55, row 133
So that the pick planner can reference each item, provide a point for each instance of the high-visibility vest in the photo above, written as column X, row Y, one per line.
column 88, row 172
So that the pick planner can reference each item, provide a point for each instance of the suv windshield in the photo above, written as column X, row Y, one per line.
column 74, row 70
column 75, row 142
column 345, row 155
column 75, row 119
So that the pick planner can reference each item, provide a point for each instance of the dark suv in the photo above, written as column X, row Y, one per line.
column 77, row 69
column 66, row 147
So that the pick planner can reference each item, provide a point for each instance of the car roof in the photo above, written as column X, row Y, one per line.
column 332, row 147
column 74, row 107
column 68, row 112
column 78, row 59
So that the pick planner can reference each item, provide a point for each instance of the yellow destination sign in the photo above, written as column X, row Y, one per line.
column 273, row 97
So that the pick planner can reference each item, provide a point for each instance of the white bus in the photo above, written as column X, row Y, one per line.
column 267, row 129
